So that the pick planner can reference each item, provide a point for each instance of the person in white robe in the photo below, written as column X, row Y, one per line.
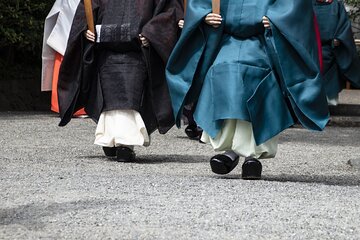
column 56, row 33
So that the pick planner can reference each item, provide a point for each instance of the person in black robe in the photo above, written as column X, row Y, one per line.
column 118, row 73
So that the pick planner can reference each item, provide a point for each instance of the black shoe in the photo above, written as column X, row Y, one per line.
column 251, row 169
column 193, row 132
column 110, row 151
column 124, row 154
column 224, row 163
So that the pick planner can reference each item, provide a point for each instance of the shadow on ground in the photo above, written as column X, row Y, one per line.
column 334, row 180
column 155, row 159
column 31, row 215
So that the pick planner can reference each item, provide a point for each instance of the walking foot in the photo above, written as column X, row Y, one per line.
column 224, row 163
column 124, row 154
column 109, row 151
column 251, row 169
column 193, row 132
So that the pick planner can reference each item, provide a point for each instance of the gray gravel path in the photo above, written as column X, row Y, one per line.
column 55, row 184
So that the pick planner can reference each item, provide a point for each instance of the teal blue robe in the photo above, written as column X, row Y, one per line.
column 340, row 63
column 240, row 71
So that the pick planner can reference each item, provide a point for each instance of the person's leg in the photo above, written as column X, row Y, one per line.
column 122, row 76
column 119, row 131
column 227, row 160
column 237, row 138
column 244, row 144
column 193, row 131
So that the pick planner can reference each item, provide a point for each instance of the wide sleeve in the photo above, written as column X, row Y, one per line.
column 297, row 63
column 72, row 67
column 162, row 30
column 192, row 55
column 48, row 53
column 346, row 55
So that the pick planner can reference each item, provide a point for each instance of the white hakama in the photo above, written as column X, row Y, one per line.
column 237, row 135
column 121, row 128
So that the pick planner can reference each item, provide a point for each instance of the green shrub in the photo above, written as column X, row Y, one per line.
column 21, row 28
column 354, row 2
column 355, row 12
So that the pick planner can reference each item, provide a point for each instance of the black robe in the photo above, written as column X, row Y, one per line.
column 118, row 73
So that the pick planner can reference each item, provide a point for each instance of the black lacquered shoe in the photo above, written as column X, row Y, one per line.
column 109, row 151
column 251, row 169
column 224, row 163
column 193, row 131
column 124, row 154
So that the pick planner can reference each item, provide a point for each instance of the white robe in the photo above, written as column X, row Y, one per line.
column 56, row 33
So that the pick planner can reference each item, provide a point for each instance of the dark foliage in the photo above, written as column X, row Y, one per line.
column 21, row 28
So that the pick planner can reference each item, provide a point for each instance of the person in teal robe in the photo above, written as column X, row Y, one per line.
column 249, row 83
column 340, row 59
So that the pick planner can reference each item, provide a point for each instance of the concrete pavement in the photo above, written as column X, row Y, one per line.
column 55, row 184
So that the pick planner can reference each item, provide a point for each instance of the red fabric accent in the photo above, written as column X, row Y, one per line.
column 318, row 40
column 54, row 94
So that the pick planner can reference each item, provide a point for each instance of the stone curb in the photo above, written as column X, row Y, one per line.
column 344, row 121
column 345, row 110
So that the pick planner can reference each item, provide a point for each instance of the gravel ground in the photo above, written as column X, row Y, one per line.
column 55, row 184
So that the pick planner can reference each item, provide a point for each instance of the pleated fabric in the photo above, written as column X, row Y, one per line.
column 237, row 135
column 121, row 128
